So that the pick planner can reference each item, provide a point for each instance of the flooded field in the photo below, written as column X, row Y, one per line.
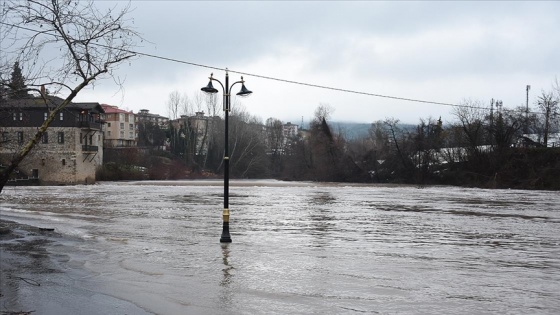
column 301, row 248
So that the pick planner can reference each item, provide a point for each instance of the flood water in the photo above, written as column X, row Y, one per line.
column 304, row 248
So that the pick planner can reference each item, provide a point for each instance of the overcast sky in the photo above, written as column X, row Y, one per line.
column 442, row 51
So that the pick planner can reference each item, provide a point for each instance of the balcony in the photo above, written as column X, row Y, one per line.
column 89, row 148
column 90, row 124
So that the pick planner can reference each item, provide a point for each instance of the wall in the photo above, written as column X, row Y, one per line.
column 58, row 163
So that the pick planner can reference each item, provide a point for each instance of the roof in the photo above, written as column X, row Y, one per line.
column 52, row 101
column 112, row 109
column 144, row 113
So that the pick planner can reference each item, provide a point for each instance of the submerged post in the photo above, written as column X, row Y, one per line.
column 226, row 238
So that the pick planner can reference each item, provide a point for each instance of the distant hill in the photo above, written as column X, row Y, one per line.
column 352, row 130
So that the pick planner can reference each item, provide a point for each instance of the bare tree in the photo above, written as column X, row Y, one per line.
column 275, row 144
column 275, row 136
column 378, row 137
column 66, row 46
column 173, row 105
column 323, row 112
column 247, row 138
column 212, row 104
column 471, row 118
column 548, row 103
column 398, row 138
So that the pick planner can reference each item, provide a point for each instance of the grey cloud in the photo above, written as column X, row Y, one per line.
column 228, row 33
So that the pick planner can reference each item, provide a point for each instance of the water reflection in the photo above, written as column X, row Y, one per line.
column 226, row 290
column 321, row 218
column 322, row 198
column 227, row 279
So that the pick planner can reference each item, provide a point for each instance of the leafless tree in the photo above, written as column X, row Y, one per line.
column 178, row 104
column 247, row 142
column 471, row 116
column 198, row 100
column 323, row 112
column 548, row 103
column 212, row 104
column 173, row 105
column 397, row 137
column 378, row 137
column 275, row 136
column 275, row 144
column 65, row 46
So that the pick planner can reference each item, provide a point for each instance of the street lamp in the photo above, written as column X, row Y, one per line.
column 226, row 88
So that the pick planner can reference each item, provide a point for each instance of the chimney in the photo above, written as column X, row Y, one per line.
column 43, row 91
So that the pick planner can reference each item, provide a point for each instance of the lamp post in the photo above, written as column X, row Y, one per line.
column 226, row 88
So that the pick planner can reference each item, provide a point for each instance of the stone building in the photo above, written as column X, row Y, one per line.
column 69, row 152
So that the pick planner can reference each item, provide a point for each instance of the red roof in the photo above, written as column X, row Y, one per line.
column 111, row 109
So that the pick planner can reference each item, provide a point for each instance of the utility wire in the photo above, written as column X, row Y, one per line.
column 279, row 79
column 290, row 81
column 307, row 84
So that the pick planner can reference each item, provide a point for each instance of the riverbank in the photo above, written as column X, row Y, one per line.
column 35, row 279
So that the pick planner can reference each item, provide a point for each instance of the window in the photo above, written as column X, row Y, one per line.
column 5, row 136
column 18, row 116
column 90, row 139
column 109, row 125
column 121, row 117
column 122, row 133
column 61, row 137
column 45, row 138
column 63, row 161
column 20, row 137
column 109, row 133
column 46, row 116
column 131, row 126
column 61, row 116
column 131, row 135
column 122, row 125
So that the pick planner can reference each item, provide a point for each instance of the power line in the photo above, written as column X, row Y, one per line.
column 279, row 79
column 291, row 81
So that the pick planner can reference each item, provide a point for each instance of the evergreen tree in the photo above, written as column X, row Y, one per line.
column 17, row 83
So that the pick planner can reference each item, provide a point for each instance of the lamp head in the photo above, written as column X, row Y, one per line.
column 209, row 88
column 244, row 91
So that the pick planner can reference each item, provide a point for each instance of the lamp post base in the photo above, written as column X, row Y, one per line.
column 225, row 234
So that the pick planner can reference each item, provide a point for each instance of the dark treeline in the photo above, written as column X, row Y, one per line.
column 486, row 146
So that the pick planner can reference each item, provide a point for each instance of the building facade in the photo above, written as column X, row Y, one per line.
column 151, row 129
column 70, row 151
column 289, row 130
column 145, row 116
column 120, row 127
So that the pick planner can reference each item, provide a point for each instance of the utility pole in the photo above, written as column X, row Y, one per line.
column 492, row 114
column 526, row 129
